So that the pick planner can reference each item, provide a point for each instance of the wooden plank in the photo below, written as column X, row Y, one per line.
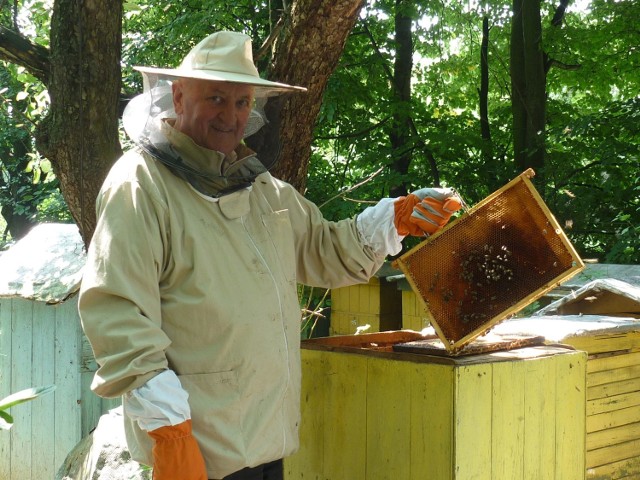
column 345, row 410
column 363, row 299
column 22, row 367
column 599, row 363
column 473, row 397
column 608, row 342
column 91, row 410
column 613, row 436
column 354, row 299
column 374, row 300
column 68, row 421
column 613, row 419
column 43, row 432
column 610, row 404
column 570, row 415
column 614, row 375
column 612, row 389
column 540, row 402
column 508, row 420
column 431, row 427
column 5, row 380
column 621, row 470
column 309, row 459
column 388, row 445
column 614, row 453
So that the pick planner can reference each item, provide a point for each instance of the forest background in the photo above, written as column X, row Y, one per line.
column 402, row 94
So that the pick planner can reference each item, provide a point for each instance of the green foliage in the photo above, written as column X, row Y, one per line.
column 591, row 176
column 590, row 182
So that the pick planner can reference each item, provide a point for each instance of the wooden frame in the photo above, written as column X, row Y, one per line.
column 464, row 305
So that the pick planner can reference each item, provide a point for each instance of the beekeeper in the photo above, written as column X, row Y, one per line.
column 189, row 295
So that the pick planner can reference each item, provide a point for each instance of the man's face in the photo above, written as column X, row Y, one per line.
column 213, row 114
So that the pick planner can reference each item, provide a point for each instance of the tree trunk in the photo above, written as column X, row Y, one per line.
column 400, row 134
column 528, row 83
column 80, row 133
column 306, row 54
column 483, row 93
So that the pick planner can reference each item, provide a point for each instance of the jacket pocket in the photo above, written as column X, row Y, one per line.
column 216, row 413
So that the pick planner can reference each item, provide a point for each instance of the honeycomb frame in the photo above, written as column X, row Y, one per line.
column 491, row 262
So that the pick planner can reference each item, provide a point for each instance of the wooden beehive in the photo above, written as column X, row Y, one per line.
column 612, row 403
column 489, row 263
column 375, row 306
column 369, row 413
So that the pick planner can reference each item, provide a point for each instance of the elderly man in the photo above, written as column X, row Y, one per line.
column 189, row 295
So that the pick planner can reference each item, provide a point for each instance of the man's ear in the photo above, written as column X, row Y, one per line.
column 176, row 89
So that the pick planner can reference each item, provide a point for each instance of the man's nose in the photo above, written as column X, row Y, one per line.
column 228, row 113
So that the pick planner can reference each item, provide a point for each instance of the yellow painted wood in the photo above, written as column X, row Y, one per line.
column 540, row 400
column 613, row 436
column 613, row 403
column 615, row 453
column 377, row 304
column 615, row 470
column 611, row 362
column 390, row 416
column 431, row 428
column 374, row 299
column 613, row 419
column 414, row 316
column 345, row 410
column 354, row 299
column 507, row 421
column 388, row 419
column 313, row 420
column 363, row 299
column 472, row 422
column 607, row 342
column 613, row 375
column 570, row 416
column 611, row 389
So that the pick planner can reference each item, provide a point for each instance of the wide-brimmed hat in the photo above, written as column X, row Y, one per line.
column 223, row 57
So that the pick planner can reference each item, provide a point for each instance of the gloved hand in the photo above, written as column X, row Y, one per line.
column 425, row 211
column 176, row 454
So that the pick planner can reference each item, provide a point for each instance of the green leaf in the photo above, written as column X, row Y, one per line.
column 24, row 396
column 6, row 421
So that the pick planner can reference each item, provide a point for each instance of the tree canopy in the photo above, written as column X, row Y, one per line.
column 420, row 93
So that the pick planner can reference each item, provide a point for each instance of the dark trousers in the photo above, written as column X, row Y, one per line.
column 268, row 471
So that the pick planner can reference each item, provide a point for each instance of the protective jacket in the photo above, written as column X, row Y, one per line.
column 208, row 288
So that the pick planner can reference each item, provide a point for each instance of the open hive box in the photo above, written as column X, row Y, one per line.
column 491, row 262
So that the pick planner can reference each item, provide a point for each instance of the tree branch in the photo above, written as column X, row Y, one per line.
column 14, row 48
column 550, row 62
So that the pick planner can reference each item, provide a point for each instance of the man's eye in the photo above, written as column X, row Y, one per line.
column 244, row 103
column 216, row 99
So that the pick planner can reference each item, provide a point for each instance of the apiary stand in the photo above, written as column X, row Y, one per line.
column 371, row 413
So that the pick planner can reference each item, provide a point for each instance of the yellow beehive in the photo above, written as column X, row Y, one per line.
column 414, row 316
column 613, row 402
column 613, row 385
column 369, row 413
column 376, row 304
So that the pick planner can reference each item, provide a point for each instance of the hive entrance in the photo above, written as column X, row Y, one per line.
column 489, row 263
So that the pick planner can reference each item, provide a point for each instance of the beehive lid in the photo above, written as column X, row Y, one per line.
column 46, row 265
column 491, row 262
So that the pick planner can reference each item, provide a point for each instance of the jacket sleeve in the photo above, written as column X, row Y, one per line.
column 119, row 301
column 328, row 254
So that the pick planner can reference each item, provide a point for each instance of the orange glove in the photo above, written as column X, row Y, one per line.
column 425, row 211
column 176, row 454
